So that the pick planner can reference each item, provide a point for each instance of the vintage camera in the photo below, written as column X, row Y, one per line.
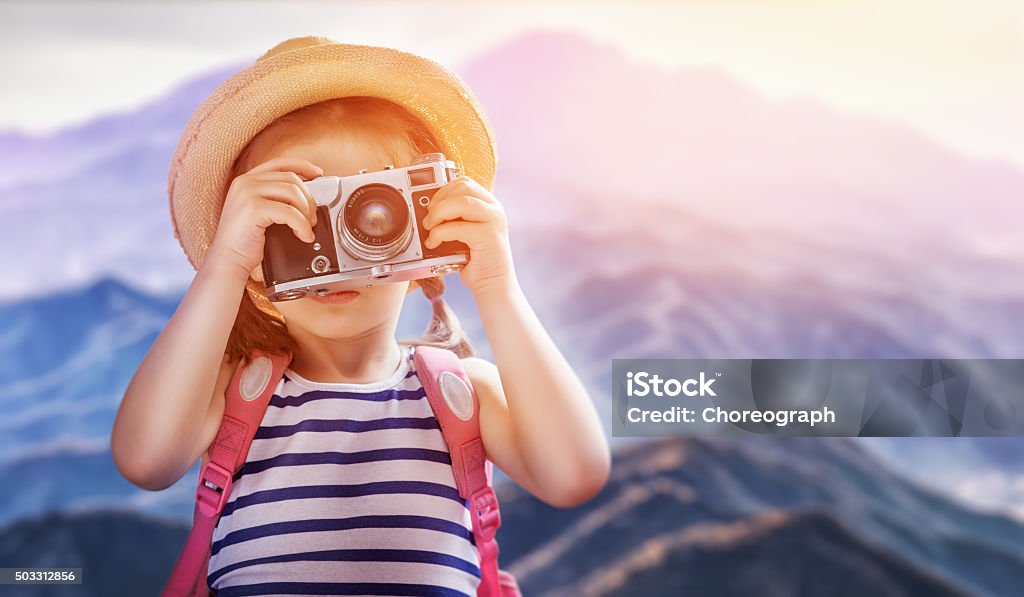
column 369, row 229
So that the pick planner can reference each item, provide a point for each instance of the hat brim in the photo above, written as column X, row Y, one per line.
column 278, row 84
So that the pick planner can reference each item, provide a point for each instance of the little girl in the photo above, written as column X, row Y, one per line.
column 350, row 411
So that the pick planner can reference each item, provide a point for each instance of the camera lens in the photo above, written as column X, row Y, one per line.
column 375, row 223
column 375, row 219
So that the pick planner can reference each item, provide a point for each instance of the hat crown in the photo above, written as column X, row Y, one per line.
column 295, row 43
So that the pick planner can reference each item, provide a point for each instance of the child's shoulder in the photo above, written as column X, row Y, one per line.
column 484, row 376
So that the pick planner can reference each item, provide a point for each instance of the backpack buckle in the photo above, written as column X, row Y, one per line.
column 213, row 490
column 488, row 514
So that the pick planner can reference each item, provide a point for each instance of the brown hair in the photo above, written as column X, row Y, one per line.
column 398, row 135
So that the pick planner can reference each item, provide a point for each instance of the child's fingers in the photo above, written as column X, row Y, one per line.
column 303, row 168
column 466, row 207
column 288, row 193
column 273, row 212
column 467, row 232
column 464, row 185
column 292, row 178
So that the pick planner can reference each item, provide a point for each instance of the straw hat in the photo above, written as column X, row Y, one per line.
column 296, row 73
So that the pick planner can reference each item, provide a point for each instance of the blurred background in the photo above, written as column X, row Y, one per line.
column 727, row 179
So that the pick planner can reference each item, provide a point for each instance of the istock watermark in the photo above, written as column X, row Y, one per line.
column 643, row 383
column 818, row 397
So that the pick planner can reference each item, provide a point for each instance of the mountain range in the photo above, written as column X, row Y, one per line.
column 718, row 517
column 771, row 516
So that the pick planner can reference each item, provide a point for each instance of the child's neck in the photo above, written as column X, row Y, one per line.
column 362, row 361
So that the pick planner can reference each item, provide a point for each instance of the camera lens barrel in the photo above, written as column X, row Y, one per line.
column 375, row 223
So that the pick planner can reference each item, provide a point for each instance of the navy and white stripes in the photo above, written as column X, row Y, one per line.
column 347, row 489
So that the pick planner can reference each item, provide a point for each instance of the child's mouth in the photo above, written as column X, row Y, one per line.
column 338, row 297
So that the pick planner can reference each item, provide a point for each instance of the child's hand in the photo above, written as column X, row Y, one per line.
column 465, row 211
column 270, row 193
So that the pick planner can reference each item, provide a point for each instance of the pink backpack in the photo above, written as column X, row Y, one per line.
column 454, row 404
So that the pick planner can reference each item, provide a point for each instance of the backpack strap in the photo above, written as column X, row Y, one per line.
column 457, row 410
column 245, row 403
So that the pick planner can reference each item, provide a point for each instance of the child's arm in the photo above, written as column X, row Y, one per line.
column 172, row 407
column 538, row 422
column 157, row 429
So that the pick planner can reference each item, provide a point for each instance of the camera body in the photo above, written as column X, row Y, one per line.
column 369, row 230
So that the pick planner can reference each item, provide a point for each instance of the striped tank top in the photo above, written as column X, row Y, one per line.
column 348, row 489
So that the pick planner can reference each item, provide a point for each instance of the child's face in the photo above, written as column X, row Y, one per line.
column 375, row 308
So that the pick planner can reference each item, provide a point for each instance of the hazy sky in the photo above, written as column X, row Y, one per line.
column 952, row 69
